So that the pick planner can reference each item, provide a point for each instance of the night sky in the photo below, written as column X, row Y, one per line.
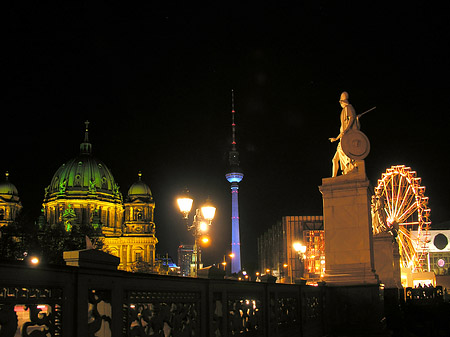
column 155, row 82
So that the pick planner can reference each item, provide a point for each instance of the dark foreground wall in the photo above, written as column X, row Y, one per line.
column 80, row 301
column 358, row 310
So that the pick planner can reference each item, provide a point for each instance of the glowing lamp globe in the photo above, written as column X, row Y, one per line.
column 205, row 240
column 298, row 247
column 34, row 260
column 203, row 226
column 185, row 205
column 208, row 211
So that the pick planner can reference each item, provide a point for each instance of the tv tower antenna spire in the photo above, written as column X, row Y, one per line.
column 233, row 124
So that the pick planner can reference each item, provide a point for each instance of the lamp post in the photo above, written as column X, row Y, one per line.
column 288, row 267
column 202, row 220
column 301, row 250
column 224, row 264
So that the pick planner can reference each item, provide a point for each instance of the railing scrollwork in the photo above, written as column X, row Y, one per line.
column 29, row 311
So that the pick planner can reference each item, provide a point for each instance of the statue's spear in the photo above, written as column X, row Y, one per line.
column 361, row 114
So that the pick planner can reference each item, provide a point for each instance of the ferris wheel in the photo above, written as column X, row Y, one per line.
column 400, row 206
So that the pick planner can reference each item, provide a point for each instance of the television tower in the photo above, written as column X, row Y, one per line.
column 234, row 177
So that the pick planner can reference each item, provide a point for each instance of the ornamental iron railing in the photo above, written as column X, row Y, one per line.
column 78, row 301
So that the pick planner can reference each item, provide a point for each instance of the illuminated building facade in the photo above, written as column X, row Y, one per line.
column 10, row 204
column 439, row 251
column 276, row 253
column 185, row 255
column 234, row 178
column 83, row 191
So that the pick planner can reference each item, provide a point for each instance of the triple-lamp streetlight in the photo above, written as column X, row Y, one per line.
column 202, row 220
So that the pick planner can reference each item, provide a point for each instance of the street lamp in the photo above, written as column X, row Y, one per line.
column 225, row 263
column 185, row 204
column 34, row 260
column 301, row 250
column 202, row 220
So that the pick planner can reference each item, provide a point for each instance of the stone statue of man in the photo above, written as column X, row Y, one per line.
column 348, row 122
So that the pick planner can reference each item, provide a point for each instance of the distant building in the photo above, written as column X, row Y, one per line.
column 185, row 254
column 276, row 253
column 166, row 265
column 439, row 251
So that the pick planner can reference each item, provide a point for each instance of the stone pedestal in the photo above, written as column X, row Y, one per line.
column 211, row 272
column 387, row 260
column 348, row 229
column 91, row 258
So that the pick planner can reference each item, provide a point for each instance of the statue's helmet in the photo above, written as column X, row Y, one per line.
column 344, row 97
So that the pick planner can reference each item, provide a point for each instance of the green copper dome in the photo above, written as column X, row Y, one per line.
column 7, row 189
column 84, row 176
column 140, row 189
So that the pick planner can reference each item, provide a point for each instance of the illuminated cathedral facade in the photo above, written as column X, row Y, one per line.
column 83, row 191
column 10, row 204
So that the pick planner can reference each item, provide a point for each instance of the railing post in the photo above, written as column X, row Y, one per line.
column 91, row 291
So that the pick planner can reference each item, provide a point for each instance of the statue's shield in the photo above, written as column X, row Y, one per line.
column 355, row 145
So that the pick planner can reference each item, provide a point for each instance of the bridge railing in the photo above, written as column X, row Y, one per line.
column 424, row 295
column 81, row 301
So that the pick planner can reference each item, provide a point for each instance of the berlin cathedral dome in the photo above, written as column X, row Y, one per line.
column 83, row 191
column 84, row 177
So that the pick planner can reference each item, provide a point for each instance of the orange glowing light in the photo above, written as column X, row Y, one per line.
column 34, row 260
column 205, row 240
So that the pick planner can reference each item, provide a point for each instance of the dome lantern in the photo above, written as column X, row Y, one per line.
column 86, row 147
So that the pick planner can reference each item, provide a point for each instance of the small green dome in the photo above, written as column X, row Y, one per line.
column 7, row 188
column 140, row 188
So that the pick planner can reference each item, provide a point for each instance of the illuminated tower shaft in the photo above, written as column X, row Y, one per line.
column 234, row 177
column 235, row 239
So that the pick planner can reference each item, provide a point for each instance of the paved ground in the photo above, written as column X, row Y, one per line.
column 420, row 321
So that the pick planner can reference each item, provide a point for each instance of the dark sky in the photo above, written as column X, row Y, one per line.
column 155, row 82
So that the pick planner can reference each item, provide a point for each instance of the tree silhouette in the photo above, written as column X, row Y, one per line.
column 24, row 238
